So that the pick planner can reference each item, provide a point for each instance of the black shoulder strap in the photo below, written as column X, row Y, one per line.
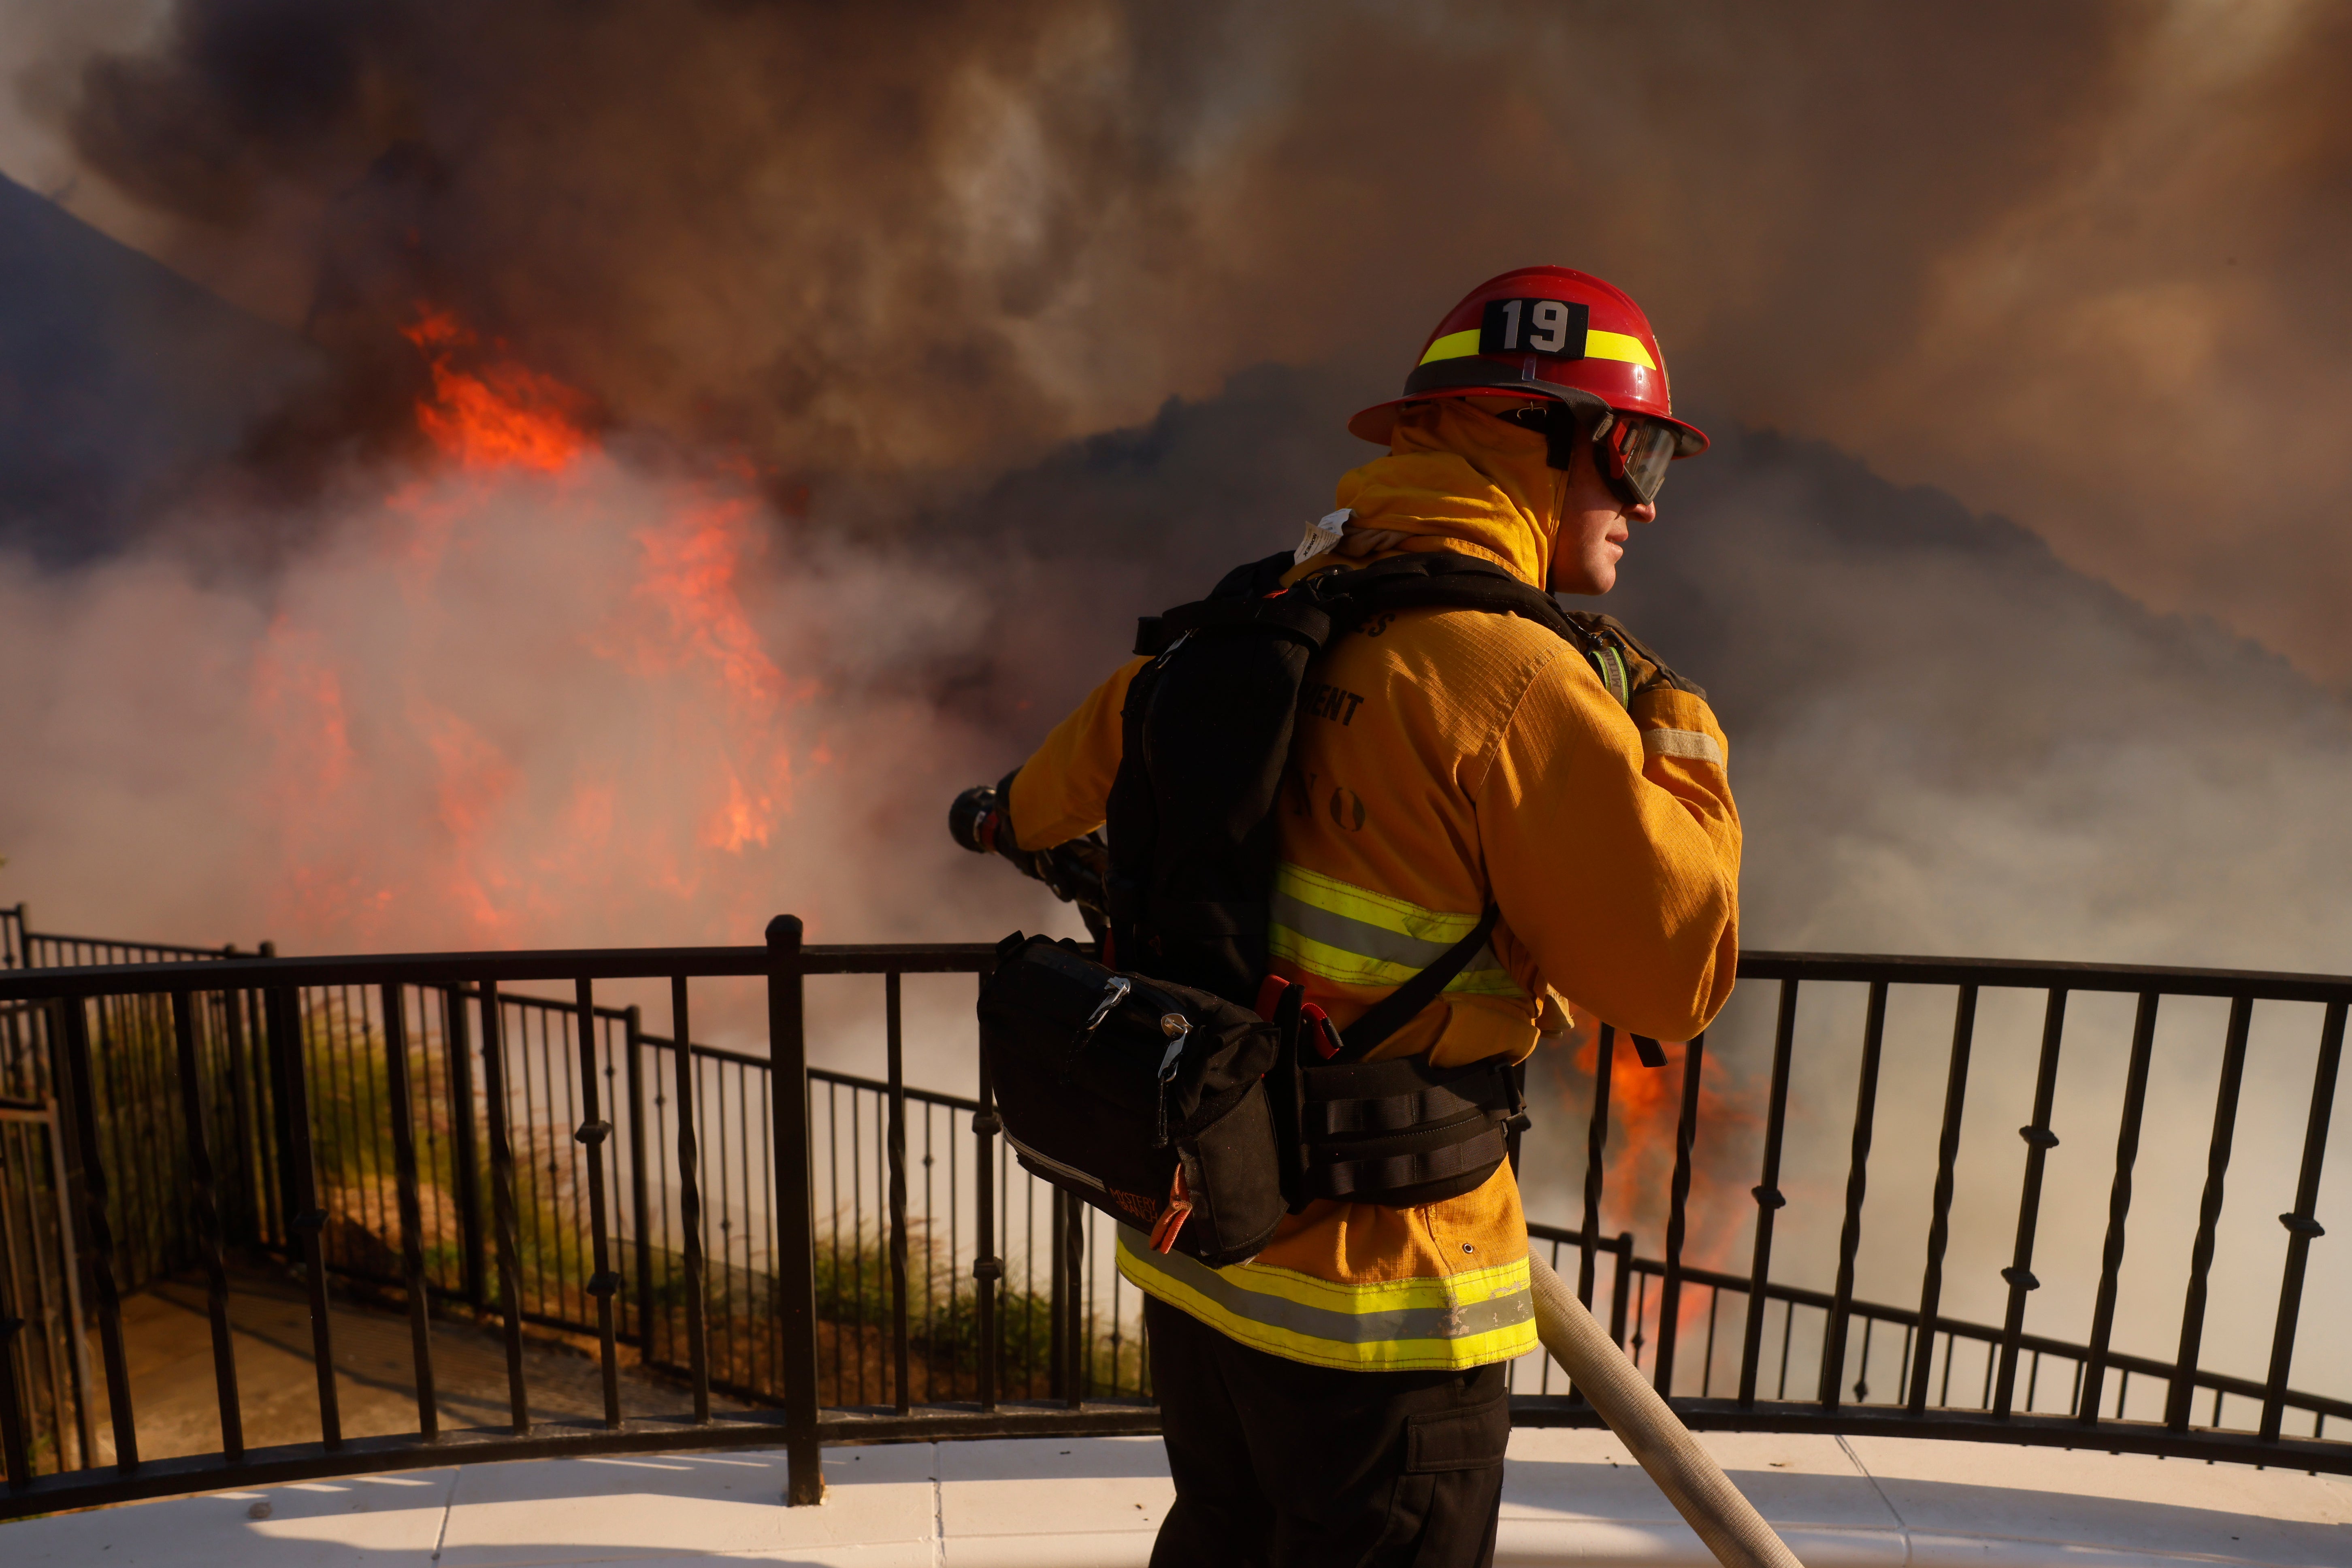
column 1231, row 602
column 1443, row 579
column 1399, row 1007
column 1315, row 607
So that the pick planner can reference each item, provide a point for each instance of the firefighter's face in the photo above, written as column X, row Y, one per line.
column 1593, row 527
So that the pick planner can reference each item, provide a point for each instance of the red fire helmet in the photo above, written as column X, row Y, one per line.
column 1542, row 332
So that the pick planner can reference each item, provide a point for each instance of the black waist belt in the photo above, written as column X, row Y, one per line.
column 1402, row 1132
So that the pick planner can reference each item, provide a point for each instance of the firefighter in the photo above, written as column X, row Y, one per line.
column 1340, row 1399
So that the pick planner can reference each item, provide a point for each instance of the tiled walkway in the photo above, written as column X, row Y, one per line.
column 1572, row 1497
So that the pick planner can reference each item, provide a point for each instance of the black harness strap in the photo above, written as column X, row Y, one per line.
column 1366, row 1099
column 1402, row 1005
column 1432, row 1161
column 1376, row 1130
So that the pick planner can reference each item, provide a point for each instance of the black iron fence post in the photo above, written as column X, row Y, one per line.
column 2120, row 1198
column 65, row 1179
column 1768, row 1198
column 465, row 1152
column 205, row 1203
column 1077, row 1338
column 237, row 1086
column 640, row 1199
column 290, row 1198
column 1670, row 1290
column 2302, row 1228
column 987, row 1269
column 1056, row 1296
column 2039, row 1141
column 1939, row 1224
column 1596, row 1144
column 895, row 1068
column 14, row 1450
column 1620, row 1287
column 795, row 1226
column 594, row 1133
column 503, row 1206
column 689, row 1201
column 309, row 1216
column 1857, row 1186
column 412, row 1218
column 2208, row 1214
column 80, row 1087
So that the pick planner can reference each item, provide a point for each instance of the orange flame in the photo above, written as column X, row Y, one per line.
column 503, row 415
column 1644, row 1110
column 416, row 794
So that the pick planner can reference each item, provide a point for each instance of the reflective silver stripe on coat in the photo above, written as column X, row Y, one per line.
column 1695, row 744
column 1364, row 940
column 1321, row 1322
column 1059, row 1169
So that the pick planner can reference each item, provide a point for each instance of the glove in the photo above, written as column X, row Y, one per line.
column 976, row 818
column 1077, row 872
column 1609, row 643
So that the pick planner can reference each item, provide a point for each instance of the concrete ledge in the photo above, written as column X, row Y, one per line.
column 1572, row 1496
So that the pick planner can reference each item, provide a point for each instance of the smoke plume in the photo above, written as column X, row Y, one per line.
column 2078, row 266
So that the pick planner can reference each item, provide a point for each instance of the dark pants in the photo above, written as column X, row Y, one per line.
column 1282, row 1465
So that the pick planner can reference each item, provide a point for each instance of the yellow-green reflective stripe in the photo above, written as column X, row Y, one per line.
column 1295, row 882
column 1458, row 1321
column 1358, row 937
column 1355, row 969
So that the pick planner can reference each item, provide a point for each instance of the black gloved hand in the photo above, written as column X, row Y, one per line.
column 1643, row 670
column 1076, row 871
column 975, row 818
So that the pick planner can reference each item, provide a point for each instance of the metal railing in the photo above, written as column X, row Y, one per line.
column 1998, row 1413
column 864, row 1256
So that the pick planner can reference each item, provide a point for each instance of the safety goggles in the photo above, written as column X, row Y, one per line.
column 1631, row 450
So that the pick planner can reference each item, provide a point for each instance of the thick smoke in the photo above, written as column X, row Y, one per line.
column 2077, row 265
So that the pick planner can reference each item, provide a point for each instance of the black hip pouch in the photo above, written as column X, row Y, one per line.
column 1142, row 1097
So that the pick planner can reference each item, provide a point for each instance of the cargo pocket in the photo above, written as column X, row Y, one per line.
column 1446, row 1440
column 1441, row 1510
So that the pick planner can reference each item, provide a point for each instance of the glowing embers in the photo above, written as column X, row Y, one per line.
column 492, row 412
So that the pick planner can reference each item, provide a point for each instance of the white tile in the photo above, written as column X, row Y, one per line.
column 1563, row 1473
column 1959, row 1500
column 1544, row 1542
column 1124, row 1549
column 890, row 1554
column 1033, row 1489
column 1793, row 1480
column 1529, row 1543
column 381, row 1521
column 652, row 1507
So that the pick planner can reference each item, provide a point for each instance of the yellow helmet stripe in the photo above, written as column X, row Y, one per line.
column 1453, row 345
column 1597, row 344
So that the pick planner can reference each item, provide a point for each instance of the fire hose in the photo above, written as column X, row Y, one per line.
column 1725, row 1520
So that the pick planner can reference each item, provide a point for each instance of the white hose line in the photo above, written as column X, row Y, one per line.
column 1686, row 1472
